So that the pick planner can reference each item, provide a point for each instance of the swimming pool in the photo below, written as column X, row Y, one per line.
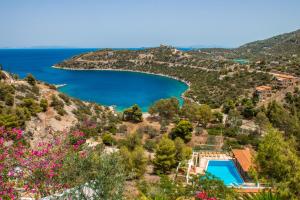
column 226, row 171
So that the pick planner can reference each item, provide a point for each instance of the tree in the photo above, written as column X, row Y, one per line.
column 262, row 122
column 234, row 119
column 283, row 120
column 228, row 105
column 211, row 187
column 30, row 79
column 197, row 113
column 133, row 114
column 279, row 163
column 248, row 108
column 183, row 130
column 139, row 161
column 183, row 152
column 189, row 110
column 204, row 114
column 167, row 109
column 108, row 182
column 135, row 161
column 165, row 154
column 218, row 117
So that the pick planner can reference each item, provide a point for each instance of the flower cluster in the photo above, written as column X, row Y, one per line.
column 77, row 138
column 35, row 170
column 204, row 196
column 12, row 152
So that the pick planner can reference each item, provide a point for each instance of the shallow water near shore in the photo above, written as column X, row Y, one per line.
column 119, row 88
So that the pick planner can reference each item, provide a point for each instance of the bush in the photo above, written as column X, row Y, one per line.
column 133, row 114
column 58, row 105
column 150, row 145
column 44, row 104
column 122, row 129
column 9, row 100
column 65, row 98
column 107, row 139
column 31, row 105
column 36, row 90
column 149, row 130
column 30, row 79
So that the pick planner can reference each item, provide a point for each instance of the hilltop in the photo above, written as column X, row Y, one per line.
column 287, row 44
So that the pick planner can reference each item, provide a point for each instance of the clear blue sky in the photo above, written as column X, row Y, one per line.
column 138, row 23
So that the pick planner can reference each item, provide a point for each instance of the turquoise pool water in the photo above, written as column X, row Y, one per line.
column 226, row 171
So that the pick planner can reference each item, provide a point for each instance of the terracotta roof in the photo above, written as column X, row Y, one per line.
column 263, row 88
column 284, row 76
column 243, row 157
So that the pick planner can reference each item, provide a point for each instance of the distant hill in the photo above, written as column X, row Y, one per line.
column 281, row 45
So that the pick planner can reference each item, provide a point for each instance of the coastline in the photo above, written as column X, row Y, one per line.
column 138, row 71
column 125, row 70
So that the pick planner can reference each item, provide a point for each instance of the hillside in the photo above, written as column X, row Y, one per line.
column 212, row 78
column 286, row 44
column 39, row 109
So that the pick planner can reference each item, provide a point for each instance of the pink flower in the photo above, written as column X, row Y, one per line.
column 201, row 195
column 1, row 141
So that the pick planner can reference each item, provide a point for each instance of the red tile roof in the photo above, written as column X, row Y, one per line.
column 243, row 157
column 263, row 88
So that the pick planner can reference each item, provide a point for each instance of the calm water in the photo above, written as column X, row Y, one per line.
column 121, row 89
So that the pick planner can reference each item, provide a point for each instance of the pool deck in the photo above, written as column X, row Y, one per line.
column 199, row 162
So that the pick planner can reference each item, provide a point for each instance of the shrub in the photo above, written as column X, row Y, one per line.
column 133, row 114
column 9, row 100
column 65, row 98
column 44, row 104
column 30, row 79
column 150, row 145
column 107, row 139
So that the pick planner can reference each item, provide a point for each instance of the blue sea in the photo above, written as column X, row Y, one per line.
column 120, row 89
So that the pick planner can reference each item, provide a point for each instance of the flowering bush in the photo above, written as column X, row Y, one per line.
column 77, row 138
column 204, row 196
column 12, row 151
column 33, row 170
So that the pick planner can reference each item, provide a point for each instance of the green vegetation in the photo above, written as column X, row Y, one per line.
column 44, row 104
column 165, row 156
column 107, row 139
column 166, row 109
column 133, row 114
column 30, row 79
column 183, row 130
column 278, row 162
column 78, row 172
column 58, row 105
column 135, row 161
column 197, row 113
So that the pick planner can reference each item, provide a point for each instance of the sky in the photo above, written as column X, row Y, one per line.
column 143, row 23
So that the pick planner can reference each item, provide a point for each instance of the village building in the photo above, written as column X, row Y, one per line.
column 263, row 92
column 284, row 80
